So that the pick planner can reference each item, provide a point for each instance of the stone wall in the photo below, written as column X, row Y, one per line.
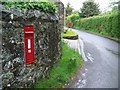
column 48, row 27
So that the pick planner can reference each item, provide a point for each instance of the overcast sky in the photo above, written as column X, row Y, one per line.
column 77, row 4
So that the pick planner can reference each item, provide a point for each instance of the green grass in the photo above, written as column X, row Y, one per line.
column 62, row 71
column 68, row 33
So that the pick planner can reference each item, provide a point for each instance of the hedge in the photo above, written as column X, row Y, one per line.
column 106, row 25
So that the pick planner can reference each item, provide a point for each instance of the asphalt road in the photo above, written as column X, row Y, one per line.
column 101, row 65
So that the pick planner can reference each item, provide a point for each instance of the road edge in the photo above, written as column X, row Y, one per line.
column 97, row 35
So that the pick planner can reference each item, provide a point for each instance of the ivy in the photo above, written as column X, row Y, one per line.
column 49, row 7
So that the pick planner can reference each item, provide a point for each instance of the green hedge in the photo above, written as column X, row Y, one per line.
column 106, row 25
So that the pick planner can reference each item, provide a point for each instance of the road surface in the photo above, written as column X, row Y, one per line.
column 101, row 62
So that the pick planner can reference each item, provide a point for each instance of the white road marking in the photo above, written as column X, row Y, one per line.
column 82, row 50
column 90, row 57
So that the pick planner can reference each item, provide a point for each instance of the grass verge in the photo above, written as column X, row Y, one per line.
column 68, row 33
column 62, row 71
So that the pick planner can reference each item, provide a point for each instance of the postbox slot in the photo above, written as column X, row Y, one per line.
column 29, row 43
column 29, row 32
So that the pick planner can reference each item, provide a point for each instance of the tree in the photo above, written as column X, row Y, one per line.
column 90, row 8
column 68, row 9
column 76, row 12
column 114, row 3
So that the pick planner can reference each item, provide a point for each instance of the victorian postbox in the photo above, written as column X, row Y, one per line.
column 29, row 43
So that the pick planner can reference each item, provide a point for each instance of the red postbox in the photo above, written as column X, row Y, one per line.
column 29, row 43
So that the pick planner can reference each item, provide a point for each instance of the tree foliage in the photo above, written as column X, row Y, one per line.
column 68, row 9
column 114, row 3
column 89, row 8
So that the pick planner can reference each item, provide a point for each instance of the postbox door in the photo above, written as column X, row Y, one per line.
column 29, row 50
